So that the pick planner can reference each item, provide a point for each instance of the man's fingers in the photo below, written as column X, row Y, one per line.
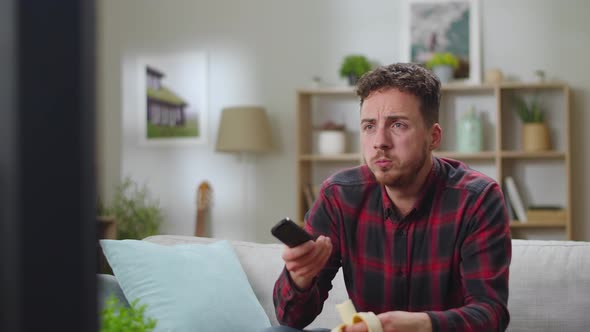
column 313, row 261
column 310, row 264
column 316, row 262
column 294, row 253
column 357, row 327
column 321, row 245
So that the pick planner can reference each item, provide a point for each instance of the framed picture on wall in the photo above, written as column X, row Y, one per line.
column 443, row 26
column 172, row 102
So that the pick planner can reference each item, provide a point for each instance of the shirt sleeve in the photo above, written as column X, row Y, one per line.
column 298, row 308
column 485, row 261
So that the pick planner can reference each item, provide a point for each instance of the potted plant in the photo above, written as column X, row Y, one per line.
column 116, row 317
column 331, row 138
column 353, row 67
column 137, row 215
column 535, row 134
column 443, row 65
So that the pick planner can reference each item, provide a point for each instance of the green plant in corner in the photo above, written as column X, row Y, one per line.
column 353, row 67
column 528, row 112
column 442, row 59
column 117, row 318
column 137, row 214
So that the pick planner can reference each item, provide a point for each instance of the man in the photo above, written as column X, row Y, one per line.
column 424, row 242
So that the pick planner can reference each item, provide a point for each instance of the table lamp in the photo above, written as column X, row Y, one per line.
column 244, row 129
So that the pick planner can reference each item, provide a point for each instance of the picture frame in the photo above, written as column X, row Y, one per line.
column 172, row 98
column 443, row 26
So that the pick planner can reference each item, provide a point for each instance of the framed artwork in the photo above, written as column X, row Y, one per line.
column 172, row 103
column 440, row 26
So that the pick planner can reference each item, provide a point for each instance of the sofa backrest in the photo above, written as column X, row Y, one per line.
column 549, row 282
column 549, row 286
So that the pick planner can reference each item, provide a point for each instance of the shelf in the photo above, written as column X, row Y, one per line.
column 546, row 175
column 533, row 224
column 484, row 155
column 337, row 91
column 461, row 87
column 532, row 85
column 331, row 158
column 533, row 155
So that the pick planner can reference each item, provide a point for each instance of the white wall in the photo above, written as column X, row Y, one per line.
column 260, row 51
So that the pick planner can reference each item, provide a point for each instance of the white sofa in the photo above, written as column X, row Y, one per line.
column 549, row 282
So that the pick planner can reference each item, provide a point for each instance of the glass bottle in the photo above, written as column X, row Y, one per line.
column 469, row 133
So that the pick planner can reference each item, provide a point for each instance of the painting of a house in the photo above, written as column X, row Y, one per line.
column 171, row 103
column 168, row 113
column 164, row 107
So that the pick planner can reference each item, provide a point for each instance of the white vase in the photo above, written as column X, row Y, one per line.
column 331, row 142
column 444, row 73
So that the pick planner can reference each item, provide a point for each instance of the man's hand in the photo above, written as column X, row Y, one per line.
column 305, row 261
column 398, row 321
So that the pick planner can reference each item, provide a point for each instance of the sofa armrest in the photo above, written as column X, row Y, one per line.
column 107, row 286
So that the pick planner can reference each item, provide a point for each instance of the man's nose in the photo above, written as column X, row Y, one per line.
column 382, row 140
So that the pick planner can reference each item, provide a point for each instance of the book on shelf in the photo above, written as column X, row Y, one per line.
column 509, row 209
column 515, row 199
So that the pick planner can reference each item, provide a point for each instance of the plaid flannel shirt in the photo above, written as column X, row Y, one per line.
column 449, row 257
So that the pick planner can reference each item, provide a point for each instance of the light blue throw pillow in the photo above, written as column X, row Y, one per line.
column 188, row 287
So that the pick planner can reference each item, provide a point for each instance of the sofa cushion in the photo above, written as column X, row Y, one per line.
column 549, row 286
column 263, row 264
column 187, row 287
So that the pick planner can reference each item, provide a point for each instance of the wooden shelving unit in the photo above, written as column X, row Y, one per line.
column 502, row 155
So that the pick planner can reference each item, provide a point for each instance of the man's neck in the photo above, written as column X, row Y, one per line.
column 405, row 198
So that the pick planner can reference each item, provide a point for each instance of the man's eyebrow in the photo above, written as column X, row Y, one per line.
column 389, row 117
column 397, row 117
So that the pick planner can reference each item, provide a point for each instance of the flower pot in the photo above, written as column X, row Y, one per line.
column 443, row 72
column 331, row 142
column 535, row 137
column 352, row 79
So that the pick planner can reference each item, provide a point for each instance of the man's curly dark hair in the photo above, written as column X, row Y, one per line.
column 409, row 78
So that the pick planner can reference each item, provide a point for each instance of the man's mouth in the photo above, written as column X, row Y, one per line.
column 383, row 163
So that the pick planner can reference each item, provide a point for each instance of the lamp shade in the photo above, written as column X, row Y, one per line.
column 244, row 129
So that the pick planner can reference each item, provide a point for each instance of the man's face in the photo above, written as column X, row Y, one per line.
column 394, row 138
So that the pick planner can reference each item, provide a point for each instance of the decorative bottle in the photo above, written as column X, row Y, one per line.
column 469, row 132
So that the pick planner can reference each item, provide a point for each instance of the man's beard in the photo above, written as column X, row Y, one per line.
column 408, row 173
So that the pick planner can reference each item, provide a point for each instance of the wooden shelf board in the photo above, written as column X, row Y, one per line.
column 533, row 155
column 462, row 87
column 532, row 85
column 336, row 90
column 484, row 155
column 533, row 224
column 338, row 157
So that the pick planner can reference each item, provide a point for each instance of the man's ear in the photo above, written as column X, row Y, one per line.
column 435, row 136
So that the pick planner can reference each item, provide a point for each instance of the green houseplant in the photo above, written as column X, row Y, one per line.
column 137, row 214
column 353, row 67
column 443, row 65
column 535, row 134
column 528, row 112
column 117, row 318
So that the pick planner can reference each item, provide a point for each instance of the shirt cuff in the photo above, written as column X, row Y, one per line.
column 297, row 293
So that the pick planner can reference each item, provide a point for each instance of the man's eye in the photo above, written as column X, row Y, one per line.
column 369, row 126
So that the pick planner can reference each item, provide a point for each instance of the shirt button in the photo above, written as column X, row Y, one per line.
column 401, row 233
